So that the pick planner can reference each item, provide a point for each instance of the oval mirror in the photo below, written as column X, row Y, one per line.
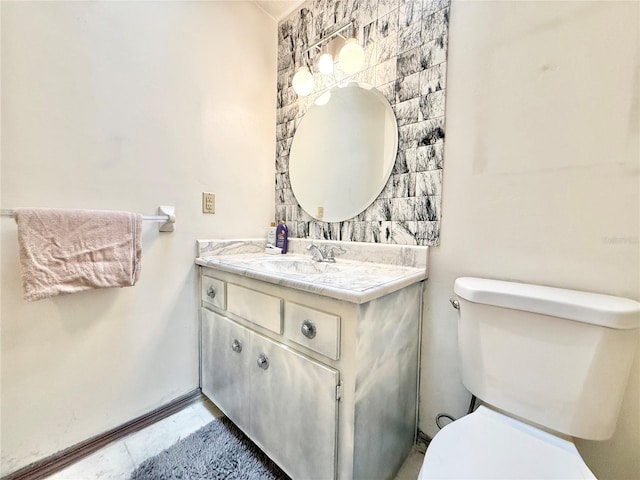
column 343, row 152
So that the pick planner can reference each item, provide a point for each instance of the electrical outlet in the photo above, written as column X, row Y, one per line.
column 208, row 202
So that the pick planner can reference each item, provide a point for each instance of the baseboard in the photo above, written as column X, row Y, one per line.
column 56, row 462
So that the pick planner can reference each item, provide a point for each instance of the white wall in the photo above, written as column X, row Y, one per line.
column 541, row 177
column 125, row 106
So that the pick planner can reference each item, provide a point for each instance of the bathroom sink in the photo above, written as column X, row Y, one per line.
column 291, row 265
column 356, row 276
column 346, row 279
column 345, row 274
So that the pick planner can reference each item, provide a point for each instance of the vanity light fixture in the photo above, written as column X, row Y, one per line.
column 349, row 53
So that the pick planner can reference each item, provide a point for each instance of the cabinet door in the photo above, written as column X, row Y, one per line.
column 294, row 410
column 226, row 359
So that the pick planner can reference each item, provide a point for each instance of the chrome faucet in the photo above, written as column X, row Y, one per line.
column 325, row 253
column 318, row 256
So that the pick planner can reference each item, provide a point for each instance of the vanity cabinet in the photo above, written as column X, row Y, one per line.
column 327, row 388
column 272, row 393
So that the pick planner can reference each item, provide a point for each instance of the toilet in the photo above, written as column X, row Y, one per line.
column 548, row 365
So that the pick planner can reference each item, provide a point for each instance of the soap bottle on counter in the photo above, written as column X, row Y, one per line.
column 271, row 234
column 282, row 236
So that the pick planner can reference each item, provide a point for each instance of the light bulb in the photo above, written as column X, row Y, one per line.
column 351, row 57
column 325, row 64
column 302, row 82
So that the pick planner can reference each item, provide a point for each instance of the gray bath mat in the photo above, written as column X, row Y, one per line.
column 219, row 450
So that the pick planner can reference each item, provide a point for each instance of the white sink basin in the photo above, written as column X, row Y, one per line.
column 347, row 274
column 291, row 265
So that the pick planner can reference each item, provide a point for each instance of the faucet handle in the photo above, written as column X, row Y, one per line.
column 317, row 255
column 332, row 250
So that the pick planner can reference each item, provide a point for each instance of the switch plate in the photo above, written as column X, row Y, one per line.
column 208, row 202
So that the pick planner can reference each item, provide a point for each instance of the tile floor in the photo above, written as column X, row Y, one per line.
column 117, row 460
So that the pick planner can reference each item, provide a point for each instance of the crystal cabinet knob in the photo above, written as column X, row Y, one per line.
column 211, row 292
column 308, row 329
column 263, row 361
column 236, row 346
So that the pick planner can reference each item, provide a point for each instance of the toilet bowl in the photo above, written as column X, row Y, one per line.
column 489, row 445
column 549, row 364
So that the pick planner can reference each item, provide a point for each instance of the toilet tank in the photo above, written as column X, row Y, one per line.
column 558, row 358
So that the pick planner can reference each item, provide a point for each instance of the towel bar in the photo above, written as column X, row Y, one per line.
column 166, row 215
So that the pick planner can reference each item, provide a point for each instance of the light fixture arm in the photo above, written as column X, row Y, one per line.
column 336, row 33
column 351, row 58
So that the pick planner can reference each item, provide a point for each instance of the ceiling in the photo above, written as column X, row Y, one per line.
column 279, row 9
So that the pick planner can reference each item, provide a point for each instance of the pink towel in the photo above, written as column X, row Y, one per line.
column 68, row 251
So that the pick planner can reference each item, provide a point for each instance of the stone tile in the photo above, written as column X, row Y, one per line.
column 385, row 72
column 433, row 79
column 407, row 87
column 428, row 183
column 428, row 132
column 407, row 112
column 410, row 12
column 387, row 25
column 388, row 90
column 435, row 25
column 428, row 233
column 282, row 180
column 380, row 209
column 432, row 53
column 367, row 12
column 403, row 233
column 387, row 48
column 282, row 163
column 429, row 157
column 287, row 113
column 421, row 133
column 386, row 6
column 354, row 231
column 403, row 209
column 410, row 62
column 410, row 37
column 427, row 208
column 378, row 232
column 432, row 105
column 431, row 6
column 369, row 34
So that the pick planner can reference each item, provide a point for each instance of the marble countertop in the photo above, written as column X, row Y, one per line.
column 348, row 279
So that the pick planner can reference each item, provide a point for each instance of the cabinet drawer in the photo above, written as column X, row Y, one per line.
column 316, row 330
column 259, row 308
column 213, row 292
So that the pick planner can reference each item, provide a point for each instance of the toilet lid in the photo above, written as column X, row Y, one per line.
column 489, row 445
